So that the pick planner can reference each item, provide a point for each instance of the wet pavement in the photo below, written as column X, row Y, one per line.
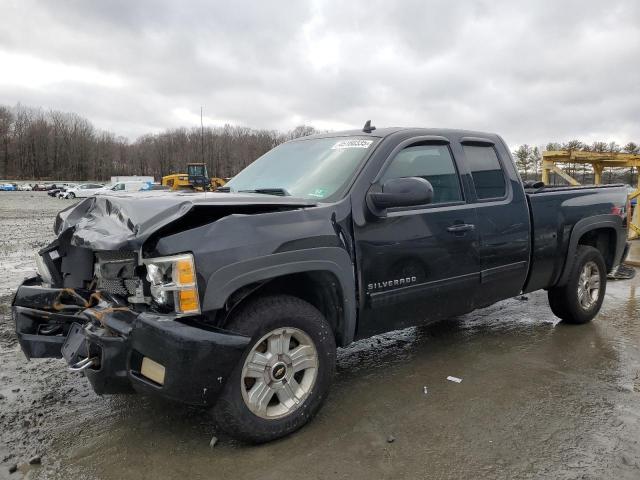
column 538, row 399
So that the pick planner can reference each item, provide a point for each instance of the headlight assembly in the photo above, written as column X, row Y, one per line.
column 173, row 283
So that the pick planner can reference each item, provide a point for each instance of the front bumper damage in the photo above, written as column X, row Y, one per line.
column 195, row 359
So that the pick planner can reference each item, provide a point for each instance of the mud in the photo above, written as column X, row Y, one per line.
column 538, row 399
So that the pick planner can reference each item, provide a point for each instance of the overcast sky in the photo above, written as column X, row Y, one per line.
column 532, row 71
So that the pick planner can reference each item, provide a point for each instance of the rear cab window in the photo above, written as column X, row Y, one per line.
column 486, row 171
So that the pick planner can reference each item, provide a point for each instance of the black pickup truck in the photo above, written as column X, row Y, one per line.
column 237, row 299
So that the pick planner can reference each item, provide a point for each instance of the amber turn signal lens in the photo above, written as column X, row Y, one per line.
column 184, row 269
column 174, row 278
column 188, row 300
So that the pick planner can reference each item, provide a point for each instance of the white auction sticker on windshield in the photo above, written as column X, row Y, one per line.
column 353, row 143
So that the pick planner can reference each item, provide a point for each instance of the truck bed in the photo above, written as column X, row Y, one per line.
column 555, row 212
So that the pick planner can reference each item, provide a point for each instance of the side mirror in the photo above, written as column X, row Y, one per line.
column 402, row 192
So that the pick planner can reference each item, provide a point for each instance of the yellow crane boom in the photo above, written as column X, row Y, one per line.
column 598, row 161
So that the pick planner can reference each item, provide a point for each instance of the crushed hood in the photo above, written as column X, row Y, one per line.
column 125, row 221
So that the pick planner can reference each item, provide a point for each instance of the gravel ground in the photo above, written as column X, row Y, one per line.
column 538, row 399
column 31, row 391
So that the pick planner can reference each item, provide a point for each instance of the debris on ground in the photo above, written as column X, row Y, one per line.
column 36, row 460
column 213, row 441
column 425, row 390
column 13, row 468
column 454, row 379
column 628, row 461
column 391, row 439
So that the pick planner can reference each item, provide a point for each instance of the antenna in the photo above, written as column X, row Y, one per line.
column 204, row 187
column 368, row 128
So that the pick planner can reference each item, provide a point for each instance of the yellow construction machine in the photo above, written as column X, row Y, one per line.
column 196, row 179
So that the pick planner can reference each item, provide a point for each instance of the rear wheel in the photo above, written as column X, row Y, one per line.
column 581, row 298
column 285, row 373
column 71, row 195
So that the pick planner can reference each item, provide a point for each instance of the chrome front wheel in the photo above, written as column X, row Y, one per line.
column 285, row 370
column 279, row 373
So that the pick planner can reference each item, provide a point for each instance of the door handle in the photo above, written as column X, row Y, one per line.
column 460, row 228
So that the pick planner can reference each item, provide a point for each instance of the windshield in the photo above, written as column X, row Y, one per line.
column 315, row 169
column 196, row 170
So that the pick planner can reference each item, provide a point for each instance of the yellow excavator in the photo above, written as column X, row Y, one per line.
column 196, row 179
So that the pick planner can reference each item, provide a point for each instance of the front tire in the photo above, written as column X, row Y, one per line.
column 71, row 196
column 284, row 375
column 579, row 301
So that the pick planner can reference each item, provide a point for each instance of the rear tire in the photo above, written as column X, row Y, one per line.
column 283, row 376
column 71, row 196
column 579, row 301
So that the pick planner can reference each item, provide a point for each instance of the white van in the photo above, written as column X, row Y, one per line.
column 133, row 186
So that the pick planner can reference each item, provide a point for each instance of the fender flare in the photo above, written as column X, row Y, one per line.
column 228, row 279
column 586, row 225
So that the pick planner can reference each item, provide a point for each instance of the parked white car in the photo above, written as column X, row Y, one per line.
column 65, row 188
column 25, row 187
column 83, row 191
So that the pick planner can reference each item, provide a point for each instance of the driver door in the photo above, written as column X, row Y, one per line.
column 419, row 263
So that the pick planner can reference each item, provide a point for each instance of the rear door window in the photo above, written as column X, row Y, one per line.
column 486, row 171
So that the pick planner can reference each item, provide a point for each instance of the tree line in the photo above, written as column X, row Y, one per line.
column 54, row 145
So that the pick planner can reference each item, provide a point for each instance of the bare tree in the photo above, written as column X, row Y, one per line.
column 535, row 159
column 6, row 119
column 523, row 159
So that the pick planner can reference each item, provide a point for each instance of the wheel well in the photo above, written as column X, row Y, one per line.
column 319, row 288
column 604, row 239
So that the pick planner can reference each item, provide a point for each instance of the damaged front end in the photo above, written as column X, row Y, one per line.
column 129, row 324
column 121, row 349
column 127, row 314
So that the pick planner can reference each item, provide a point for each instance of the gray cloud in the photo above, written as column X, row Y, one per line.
column 532, row 71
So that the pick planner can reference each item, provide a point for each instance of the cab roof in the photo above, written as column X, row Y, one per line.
column 388, row 131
